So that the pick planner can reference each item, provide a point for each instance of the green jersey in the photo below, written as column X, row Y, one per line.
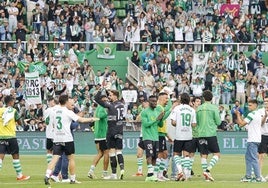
column 208, row 119
column 195, row 132
column 100, row 126
column 149, row 124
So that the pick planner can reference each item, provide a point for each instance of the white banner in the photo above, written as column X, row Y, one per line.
column 32, row 88
column 129, row 95
column 200, row 65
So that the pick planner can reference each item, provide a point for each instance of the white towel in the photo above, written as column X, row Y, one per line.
column 8, row 115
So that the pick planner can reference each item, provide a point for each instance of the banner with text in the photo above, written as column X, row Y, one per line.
column 34, row 143
column 129, row 95
column 32, row 90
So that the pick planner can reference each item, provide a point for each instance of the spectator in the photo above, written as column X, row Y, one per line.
column 118, row 33
column 167, row 35
column 227, row 88
column 20, row 32
column 76, row 30
column 261, row 72
column 12, row 19
column 189, row 32
column 243, row 37
column 37, row 17
column 89, row 29
column 240, row 89
column 135, row 58
column 253, row 63
column 146, row 36
column 178, row 66
column 197, row 86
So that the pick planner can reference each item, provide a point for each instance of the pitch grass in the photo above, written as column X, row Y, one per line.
column 227, row 174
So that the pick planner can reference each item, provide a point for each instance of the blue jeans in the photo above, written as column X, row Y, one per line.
column 62, row 166
column 226, row 97
column 170, row 157
column 252, row 161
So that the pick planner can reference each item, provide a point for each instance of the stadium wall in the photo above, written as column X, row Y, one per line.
column 120, row 62
column 34, row 143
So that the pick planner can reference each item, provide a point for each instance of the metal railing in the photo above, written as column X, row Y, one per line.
column 168, row 44
column 134, row 72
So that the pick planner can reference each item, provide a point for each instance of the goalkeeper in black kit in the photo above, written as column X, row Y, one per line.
column 114, row 135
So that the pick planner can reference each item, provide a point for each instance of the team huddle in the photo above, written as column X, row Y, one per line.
column 185, row 120
column 184, row 127
column 196, row 130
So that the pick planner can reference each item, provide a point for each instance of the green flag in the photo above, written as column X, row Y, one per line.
column 106, row 51
column 21, row 65
column 38, row 67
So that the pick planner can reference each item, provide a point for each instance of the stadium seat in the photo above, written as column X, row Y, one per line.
column 123, row 4
column 121, row 13
column 117, row 4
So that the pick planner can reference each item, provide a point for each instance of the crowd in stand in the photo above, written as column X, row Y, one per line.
column 230, row 75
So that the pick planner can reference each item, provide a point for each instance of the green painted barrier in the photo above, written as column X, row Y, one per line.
column 34, row 143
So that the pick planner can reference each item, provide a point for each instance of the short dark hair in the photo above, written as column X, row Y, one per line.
column 207, row 95
column 50, row 99
column 115, row 92
column 8, row 99
column 63, row 99
column 162, row 94
column 253, row 101
column 195, row 98
column 152, row 96
column 185, row 98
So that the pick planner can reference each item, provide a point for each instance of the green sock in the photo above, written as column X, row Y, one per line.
column 162, row 166
column 49, row 157
column 191, row 163
column 186, row 163
column 212, row 162
column 17, row 167
column 178, row 161
column 204, row 164
column 156, row 167
column 140, row 163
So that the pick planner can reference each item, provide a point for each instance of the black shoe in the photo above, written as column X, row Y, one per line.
column 46, row 180
column 192, row 172
column 165, row 174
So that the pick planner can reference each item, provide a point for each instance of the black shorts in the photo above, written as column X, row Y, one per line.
column 182, row 145
column 49, row 144
column 9, row 146
column 141, row 143
column 115, row 141
column 194, row 145
column 162, row 143
column 102, row 144
column 151, row 148
column 63, row 147
column 208, row 145
column 263, row 147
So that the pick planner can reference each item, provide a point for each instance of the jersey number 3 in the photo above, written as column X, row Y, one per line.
column 59, row 124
